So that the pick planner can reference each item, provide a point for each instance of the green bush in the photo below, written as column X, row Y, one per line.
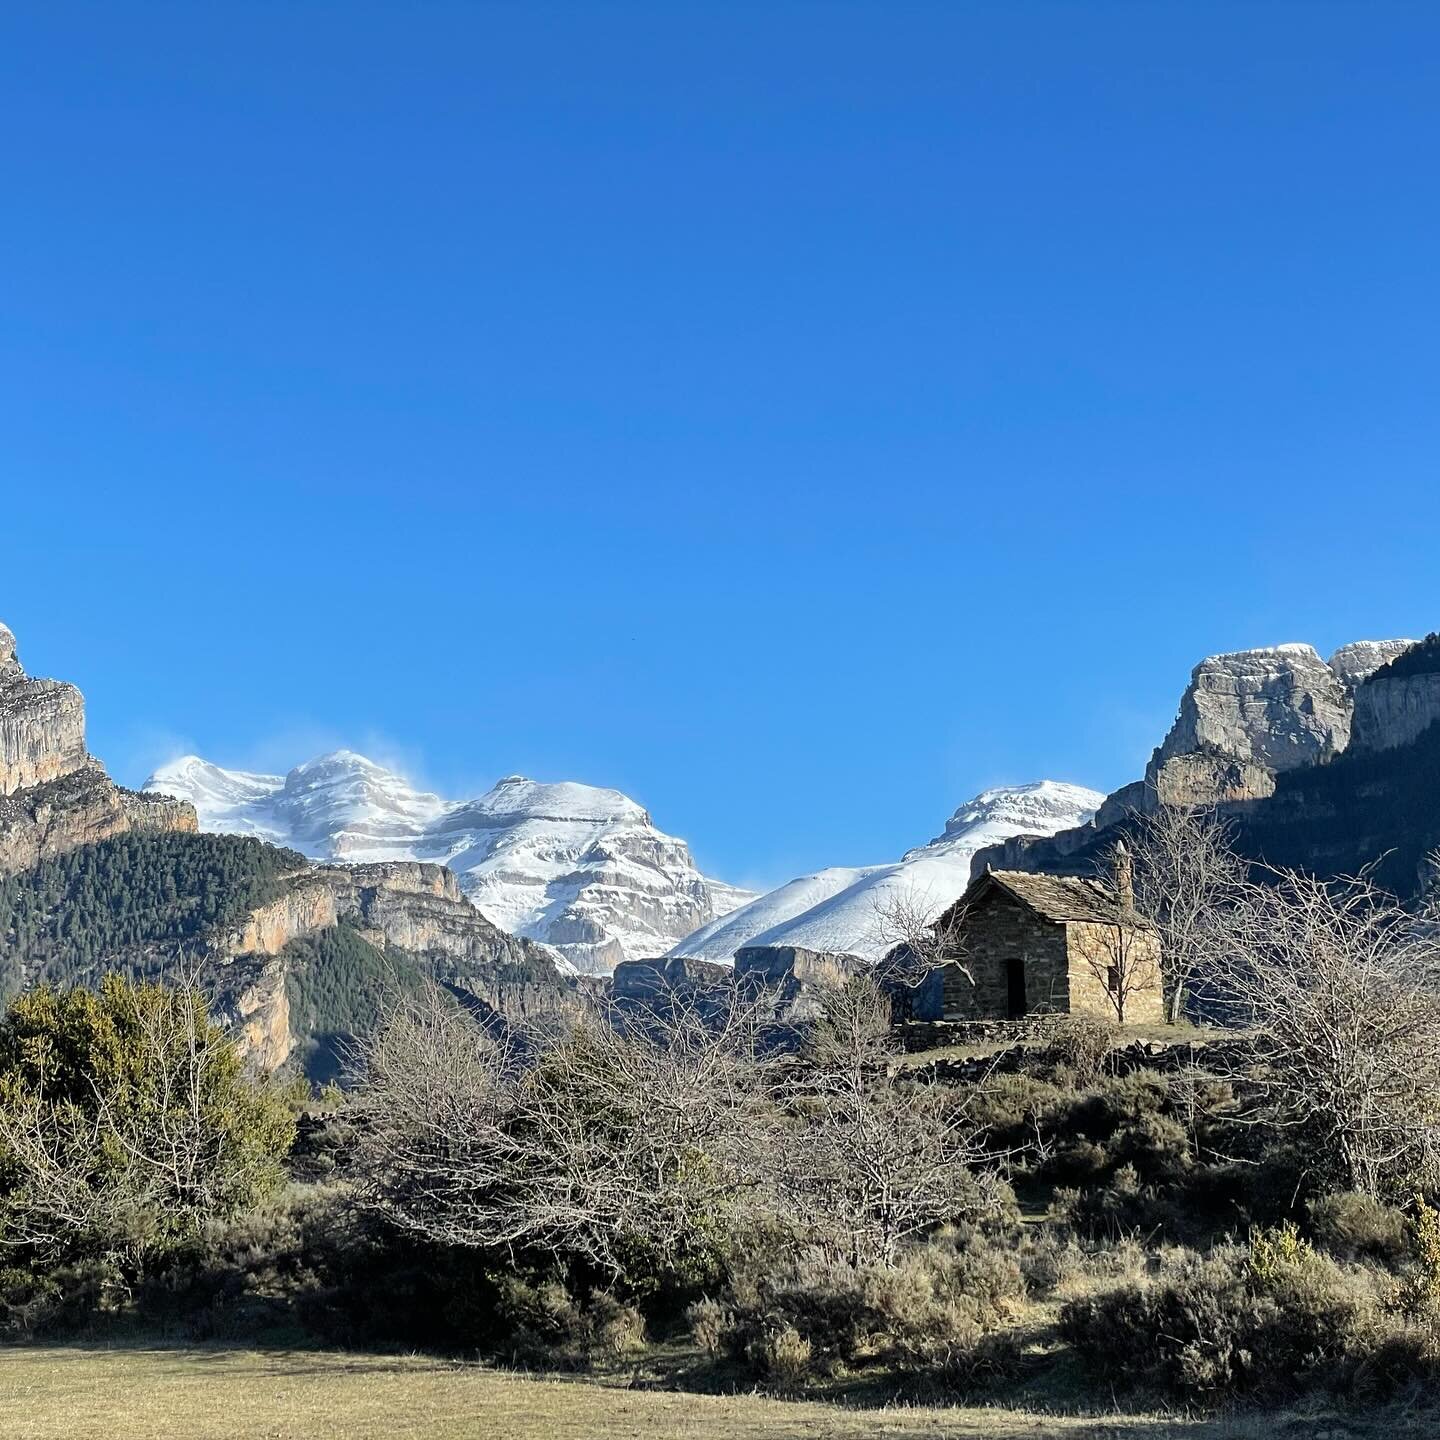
column 65, row 1299
column 1082, row 1043
column 541, row 1322
column 127, row 1122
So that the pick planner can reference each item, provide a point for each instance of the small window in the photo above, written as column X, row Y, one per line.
column 1112, row 979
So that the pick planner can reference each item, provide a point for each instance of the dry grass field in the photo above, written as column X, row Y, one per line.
column 76, row 1393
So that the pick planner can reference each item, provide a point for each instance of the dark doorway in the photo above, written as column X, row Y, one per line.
column 1015, row 983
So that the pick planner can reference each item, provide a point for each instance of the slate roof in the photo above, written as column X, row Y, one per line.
column 1060, row 897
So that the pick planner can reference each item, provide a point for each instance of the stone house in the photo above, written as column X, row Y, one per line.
column 1033, row 945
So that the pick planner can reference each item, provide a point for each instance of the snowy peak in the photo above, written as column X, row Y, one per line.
column 345, row 807
column 1040, row 808
column 1360, row 659
column 581, row 868
column 770, row 913
column 566, row 801
column 198, row 779
column 849, row 910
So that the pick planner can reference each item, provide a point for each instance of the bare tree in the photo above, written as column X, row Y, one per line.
column 607, row 1143
column 921, row 938
column 1187, row 880
column 871, row 1160
column 594, row 1143
column 920, row 935
column 1339, row 987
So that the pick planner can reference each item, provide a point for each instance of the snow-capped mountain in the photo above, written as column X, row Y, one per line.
column 851, row 910
column 583, row 869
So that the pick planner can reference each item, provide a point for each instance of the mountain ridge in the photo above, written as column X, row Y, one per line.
column 844, row 909
column 581, row 868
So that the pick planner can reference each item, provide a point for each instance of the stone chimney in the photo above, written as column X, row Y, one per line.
column 1124, row 873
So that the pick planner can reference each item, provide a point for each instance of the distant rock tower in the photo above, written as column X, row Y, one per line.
column 42, row 725
column 54, row 795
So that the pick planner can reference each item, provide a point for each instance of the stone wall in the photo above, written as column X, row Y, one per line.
column 997, row 928
column 1093, row 949
column 1066, row 968
column 920, row 1035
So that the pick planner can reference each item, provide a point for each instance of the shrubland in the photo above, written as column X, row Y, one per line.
column 1251, row 1219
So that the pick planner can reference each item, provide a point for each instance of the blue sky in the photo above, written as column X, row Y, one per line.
column 796, row 415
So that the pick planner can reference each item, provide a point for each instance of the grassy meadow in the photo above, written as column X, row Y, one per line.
column 137, row 1393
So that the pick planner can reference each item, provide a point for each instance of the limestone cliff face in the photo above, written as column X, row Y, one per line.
column 421, row 910
column 1274, row 709
column 412, row 906
column 53, row 795
column 796, row 978
column 42, row 725
column 1246, row 719
column 258, row 1012
column 307, row 907
column 1394, row 710
column 43, row 821
column 1206, row 778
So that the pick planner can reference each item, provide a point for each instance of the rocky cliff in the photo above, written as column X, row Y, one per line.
column 54, row 796
column 1358, row 661
column 1246, row 721
column 1400, row 700
column 410, row 907
column 42, row 725
column 1245, row 718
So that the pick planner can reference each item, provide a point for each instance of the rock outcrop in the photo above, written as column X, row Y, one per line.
column 1358, row 661
column 411, row 906
column 1247, row 719
column 797, row 979
column 82, row 808
column 42, row 725
column 54, row 795
column 1269, row 710
column 643, row 982
column 1394, row 710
